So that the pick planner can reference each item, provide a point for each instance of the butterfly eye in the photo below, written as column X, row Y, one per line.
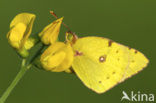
column 102, row 58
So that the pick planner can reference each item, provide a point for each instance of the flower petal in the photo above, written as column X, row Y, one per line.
column 15, row 35
column 58, row 57
column 26, row 19
column 66, row 64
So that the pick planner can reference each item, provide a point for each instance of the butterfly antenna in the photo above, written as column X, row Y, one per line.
column 53, row 14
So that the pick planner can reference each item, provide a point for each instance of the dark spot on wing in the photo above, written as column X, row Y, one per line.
column 133, row 61
column 117, row 51
column 102, row 58
column 113, row 72
column 77, row 53
column 110, row 43
column 107, row 78
column 136, row 51
column 118, row 59
column 100, row 81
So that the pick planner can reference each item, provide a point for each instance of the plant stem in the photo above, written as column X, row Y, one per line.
column 21, row 73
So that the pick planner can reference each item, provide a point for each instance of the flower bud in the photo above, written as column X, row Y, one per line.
column 50, row 33
column 20, row 30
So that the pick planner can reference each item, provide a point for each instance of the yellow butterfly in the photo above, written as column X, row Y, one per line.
column 101, row 63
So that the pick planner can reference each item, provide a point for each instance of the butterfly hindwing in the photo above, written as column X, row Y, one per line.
column 101, row 63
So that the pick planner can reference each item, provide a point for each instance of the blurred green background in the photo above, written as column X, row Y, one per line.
column 130, row 22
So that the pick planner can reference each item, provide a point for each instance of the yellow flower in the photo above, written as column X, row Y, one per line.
column 57, row 57
column 20, row 30
column 50, row 33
